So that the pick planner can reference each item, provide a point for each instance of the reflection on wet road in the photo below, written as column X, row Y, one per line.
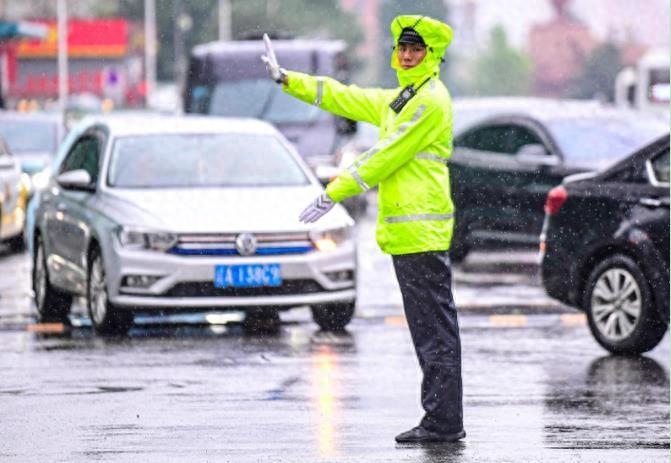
column 541, row 390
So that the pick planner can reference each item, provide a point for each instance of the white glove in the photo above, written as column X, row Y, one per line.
column 276, row 72
column 317, row 209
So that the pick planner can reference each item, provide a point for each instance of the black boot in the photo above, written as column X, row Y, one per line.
column 420, row 435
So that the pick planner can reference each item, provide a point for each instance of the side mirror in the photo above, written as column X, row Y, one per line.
column 76, row 180
column 535, row 154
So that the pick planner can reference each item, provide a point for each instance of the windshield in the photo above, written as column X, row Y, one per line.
column 202, row 160
column 600, row 141
column 261, row 99
column 26, row 136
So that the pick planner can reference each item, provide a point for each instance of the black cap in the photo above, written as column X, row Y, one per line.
column 410, row 35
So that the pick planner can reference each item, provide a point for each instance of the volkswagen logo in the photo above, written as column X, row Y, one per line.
column 245, row 243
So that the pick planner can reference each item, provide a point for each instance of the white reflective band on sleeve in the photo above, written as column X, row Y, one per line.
column 320, row 91
column 387, row 141
column 417, row 217
column 358, row 179
column 431, row 157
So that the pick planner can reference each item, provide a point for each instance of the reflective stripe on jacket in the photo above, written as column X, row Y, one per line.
column 409, row 162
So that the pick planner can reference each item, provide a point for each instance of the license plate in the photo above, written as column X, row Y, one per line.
column 247, row 276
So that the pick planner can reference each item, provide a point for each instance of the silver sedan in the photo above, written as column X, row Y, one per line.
column 169, row 213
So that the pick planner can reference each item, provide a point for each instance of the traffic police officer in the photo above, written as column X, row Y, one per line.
column 416, row 214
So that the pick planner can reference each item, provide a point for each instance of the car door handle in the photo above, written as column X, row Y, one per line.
column 650, row 202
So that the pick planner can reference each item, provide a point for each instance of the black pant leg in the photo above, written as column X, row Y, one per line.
column 425, row 280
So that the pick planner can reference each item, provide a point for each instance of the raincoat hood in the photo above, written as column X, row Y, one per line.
column 437, row 36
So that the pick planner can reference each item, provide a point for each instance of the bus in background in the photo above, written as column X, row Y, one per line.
column 229, row 79
column 645, row 87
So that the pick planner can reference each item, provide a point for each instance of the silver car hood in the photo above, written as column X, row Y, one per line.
column 217, row 210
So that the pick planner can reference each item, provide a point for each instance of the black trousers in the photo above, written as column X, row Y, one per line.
column 425, row 280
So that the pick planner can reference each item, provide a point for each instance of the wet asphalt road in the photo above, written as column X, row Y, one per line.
column 536, row 389
column 536, row 385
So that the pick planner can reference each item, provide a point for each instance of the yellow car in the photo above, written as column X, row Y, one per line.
column 13, row 198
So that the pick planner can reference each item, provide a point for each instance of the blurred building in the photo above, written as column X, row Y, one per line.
column 558, row 49
column 104, row 61
column 367, row 11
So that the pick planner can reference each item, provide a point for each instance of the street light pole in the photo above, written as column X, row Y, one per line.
column 62, row 14
column 225, row 20
column 150, row 47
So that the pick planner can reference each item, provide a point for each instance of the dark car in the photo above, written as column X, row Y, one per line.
column 605, row 249
column 508, row 153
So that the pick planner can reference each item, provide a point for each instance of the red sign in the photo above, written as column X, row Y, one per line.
column 94, row 38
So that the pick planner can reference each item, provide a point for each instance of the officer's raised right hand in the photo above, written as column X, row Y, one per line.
column 276, row 72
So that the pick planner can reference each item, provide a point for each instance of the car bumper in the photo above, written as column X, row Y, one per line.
column 295, row 300
column 188, row 281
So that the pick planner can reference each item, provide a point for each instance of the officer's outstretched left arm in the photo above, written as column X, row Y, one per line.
column 420, row 124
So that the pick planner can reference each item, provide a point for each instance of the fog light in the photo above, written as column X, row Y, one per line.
column 340, row 276
column 139, row 281
column 326, row 244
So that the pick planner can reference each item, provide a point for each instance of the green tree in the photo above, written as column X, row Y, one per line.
column 500, row 69
column 389, row 9
column 597, row 78
column 249, row 18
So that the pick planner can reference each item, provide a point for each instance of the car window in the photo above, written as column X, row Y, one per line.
column 259, row 98
column 202, row 160
column 27, row 136
column 84, row 154
column 500, row 138
column 492, row 139
column 660, row 167
column 521, row 136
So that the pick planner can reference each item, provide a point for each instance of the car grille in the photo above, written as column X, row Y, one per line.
column 207, row 289
column 267, row 244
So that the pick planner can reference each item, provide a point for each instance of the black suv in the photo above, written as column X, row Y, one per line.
column 605, row 249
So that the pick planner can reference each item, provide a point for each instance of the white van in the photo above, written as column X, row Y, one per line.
column 645, row 87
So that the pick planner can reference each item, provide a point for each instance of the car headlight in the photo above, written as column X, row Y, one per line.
column 40, row 180
column 328, row 240
column 135, row 239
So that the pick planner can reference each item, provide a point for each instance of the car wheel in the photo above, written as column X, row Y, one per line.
column 52, row 305
column 333, row 317
column 620, row 307
column 105, row 317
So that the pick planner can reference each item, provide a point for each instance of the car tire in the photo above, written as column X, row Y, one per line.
column 620, row 307
column 333, row 317
column 53, row 306
column 105, row 317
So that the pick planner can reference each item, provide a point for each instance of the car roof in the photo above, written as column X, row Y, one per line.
column 33, row 116
column 476, row 110
column 129, row 125
column 257, row 47
column 642, row 153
